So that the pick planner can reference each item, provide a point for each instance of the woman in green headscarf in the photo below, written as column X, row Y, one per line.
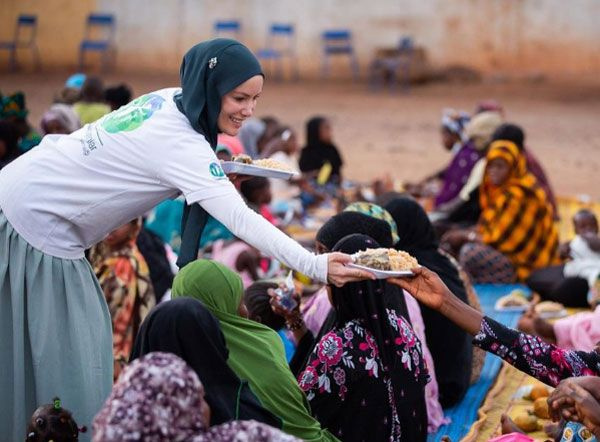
column 69, row 193
column 256, row 352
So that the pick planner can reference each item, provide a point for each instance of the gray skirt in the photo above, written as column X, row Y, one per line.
column 55, row 335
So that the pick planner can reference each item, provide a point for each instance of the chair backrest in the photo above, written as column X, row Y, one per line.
column 337, row 40
column 26, row 29
column 228, row 27
column 282, row 37
column 406, row 44
column 100, row 27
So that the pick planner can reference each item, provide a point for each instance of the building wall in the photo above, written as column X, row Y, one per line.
column 545, row 36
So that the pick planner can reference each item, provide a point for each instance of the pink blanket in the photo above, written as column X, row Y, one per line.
column 579, row 332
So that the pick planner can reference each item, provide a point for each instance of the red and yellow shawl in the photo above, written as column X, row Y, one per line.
column 125, row 281
column 516, row 218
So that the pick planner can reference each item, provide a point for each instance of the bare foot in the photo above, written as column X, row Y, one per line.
column 508, row 426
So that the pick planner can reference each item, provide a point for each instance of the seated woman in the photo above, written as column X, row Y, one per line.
column 187, row 329
column 515, row 233
column 320, row 151
column 255, row 351
column 449, row 345
column 125, row 281
column 159, row 398
column 369, row 367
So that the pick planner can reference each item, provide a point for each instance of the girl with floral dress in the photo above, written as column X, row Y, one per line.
column 365, row 378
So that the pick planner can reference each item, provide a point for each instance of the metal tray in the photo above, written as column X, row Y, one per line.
column 251, row 170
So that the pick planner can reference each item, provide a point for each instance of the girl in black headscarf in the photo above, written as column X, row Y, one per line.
column 450, row 346
column 187, row 329
column 320, row 150
column 365, row 379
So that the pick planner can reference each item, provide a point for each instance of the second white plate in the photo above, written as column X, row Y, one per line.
column 384, row 274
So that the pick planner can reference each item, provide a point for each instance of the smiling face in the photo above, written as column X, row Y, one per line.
column 498, row 171
column 239, row 104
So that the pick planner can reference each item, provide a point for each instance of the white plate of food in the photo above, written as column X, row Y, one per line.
column 268, row 168
column 550, row 310
column 516, row 301
column 385, row 263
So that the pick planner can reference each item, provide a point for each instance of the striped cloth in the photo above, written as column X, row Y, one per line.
column 516, row 217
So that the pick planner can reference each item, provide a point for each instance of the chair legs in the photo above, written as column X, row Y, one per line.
column 12, row 61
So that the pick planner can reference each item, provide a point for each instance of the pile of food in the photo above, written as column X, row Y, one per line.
column 517, row 298
column 385, row 259
column 267, row 163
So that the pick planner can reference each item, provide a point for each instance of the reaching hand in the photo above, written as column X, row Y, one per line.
column 426, row 286
column 338, row 274
column 577, row 399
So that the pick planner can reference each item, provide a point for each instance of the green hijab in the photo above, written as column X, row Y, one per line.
column 208, row 71
column 256, row 352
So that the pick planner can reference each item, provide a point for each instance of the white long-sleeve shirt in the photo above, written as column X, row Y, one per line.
column 69, row 192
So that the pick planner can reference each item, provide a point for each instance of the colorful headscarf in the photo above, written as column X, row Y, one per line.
column 159, row 398
column 516, row 217
column 455, row 122
column 377, row 212
column 256, row 353
column 13, row 106
column 125, row 280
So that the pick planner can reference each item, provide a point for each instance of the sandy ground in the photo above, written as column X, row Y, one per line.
column 382, row 132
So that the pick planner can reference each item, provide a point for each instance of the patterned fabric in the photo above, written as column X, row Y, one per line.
column 30, row 140
column 13, row 106
column 516, row 217
column 485, row 265
column 378, row 212
column 345, row 377
column 125, row 281
column 530, row 354
column 457, row 173
column 159, row 398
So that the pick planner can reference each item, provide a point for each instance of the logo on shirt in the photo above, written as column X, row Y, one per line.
column 133, row 115
column 216, row 171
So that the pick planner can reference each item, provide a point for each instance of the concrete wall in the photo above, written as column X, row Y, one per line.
column 523, row 36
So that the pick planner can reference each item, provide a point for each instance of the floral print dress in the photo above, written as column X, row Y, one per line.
column 532, row 355
column 355, row 397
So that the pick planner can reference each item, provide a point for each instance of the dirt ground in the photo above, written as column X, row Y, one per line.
column 381, row 132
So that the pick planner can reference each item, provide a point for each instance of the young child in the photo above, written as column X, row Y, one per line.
column 91, row 107
column 584, row 251
column 51, row 422
column 125, row 280
column 257, row 193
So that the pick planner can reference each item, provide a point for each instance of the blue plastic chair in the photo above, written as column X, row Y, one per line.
column 26, row 24
column 394, row 66
column 104, row 24
column 338, row 42
column 228, row 28
column 280, row 44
